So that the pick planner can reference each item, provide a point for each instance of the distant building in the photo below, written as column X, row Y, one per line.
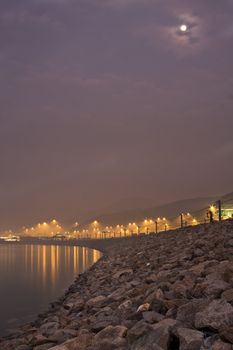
column 227, row 211
column 59, row 237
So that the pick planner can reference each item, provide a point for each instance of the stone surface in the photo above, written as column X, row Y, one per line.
column 216, row 315
column 219, row 345
column 111, row 337
column 23, row 347
column 186, row 313
column 189, row 339
column 97, row 301
column 43, row 346
column 120, row 273
column 168, row 291
column 228, row 295
column 163, row 331
column 152, row 316
column 227, row 334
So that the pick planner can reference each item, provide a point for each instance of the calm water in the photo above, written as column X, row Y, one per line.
column 33, row 275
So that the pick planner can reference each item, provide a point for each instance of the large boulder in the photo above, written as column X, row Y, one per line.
column 219, row 345
column 138, row 330
column 111, row 338
column 82, row 342
column 163, row 332
column 216, row 315
column 98, row 301
column 49, row 328
column 186, row 313
column 152, row 316
column 189, row 339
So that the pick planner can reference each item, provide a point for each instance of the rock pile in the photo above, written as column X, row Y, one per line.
column 169, row 291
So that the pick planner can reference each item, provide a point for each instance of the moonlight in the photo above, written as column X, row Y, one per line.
column 183, row 28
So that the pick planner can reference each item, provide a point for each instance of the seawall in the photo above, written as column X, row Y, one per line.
column 169, row 291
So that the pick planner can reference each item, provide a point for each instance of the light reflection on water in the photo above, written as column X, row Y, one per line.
column 33, row 275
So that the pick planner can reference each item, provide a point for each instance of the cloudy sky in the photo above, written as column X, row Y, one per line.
column 103, row 100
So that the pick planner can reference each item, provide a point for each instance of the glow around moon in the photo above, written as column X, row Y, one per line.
column 183, row 28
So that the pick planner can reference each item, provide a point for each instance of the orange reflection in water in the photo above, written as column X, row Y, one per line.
column 47, row 263
column 33, row 275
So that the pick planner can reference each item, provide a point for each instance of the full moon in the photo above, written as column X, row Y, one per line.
column 183, row 28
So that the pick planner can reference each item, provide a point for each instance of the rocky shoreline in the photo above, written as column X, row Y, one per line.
column 169, row 291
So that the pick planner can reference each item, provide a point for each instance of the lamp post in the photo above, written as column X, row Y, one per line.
column 156, row 226
column 181, row 220
column 219, row 203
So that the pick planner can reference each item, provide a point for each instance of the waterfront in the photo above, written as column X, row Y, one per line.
column 33, row 275
column 168, row 291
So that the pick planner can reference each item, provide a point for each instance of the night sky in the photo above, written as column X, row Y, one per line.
column 103, row 100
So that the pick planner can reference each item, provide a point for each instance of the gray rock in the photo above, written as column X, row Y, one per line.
column 44, row 346
column 138, row 330
column 97, row 301
column 62, row 335
column 24, row 347
column 228, row 295
column 214, row 287
column 146, row 342
column 216, row 315
column 78, row 305
column 219, row 345
column 49, row 328
column 111, row 337
column 227, row 334
column 120, row 273
column 82, row 342
column 187, row 312
column 189, row 339
column 118, row 294
column 162, row 332
column 152, row 316
column 125, row 305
